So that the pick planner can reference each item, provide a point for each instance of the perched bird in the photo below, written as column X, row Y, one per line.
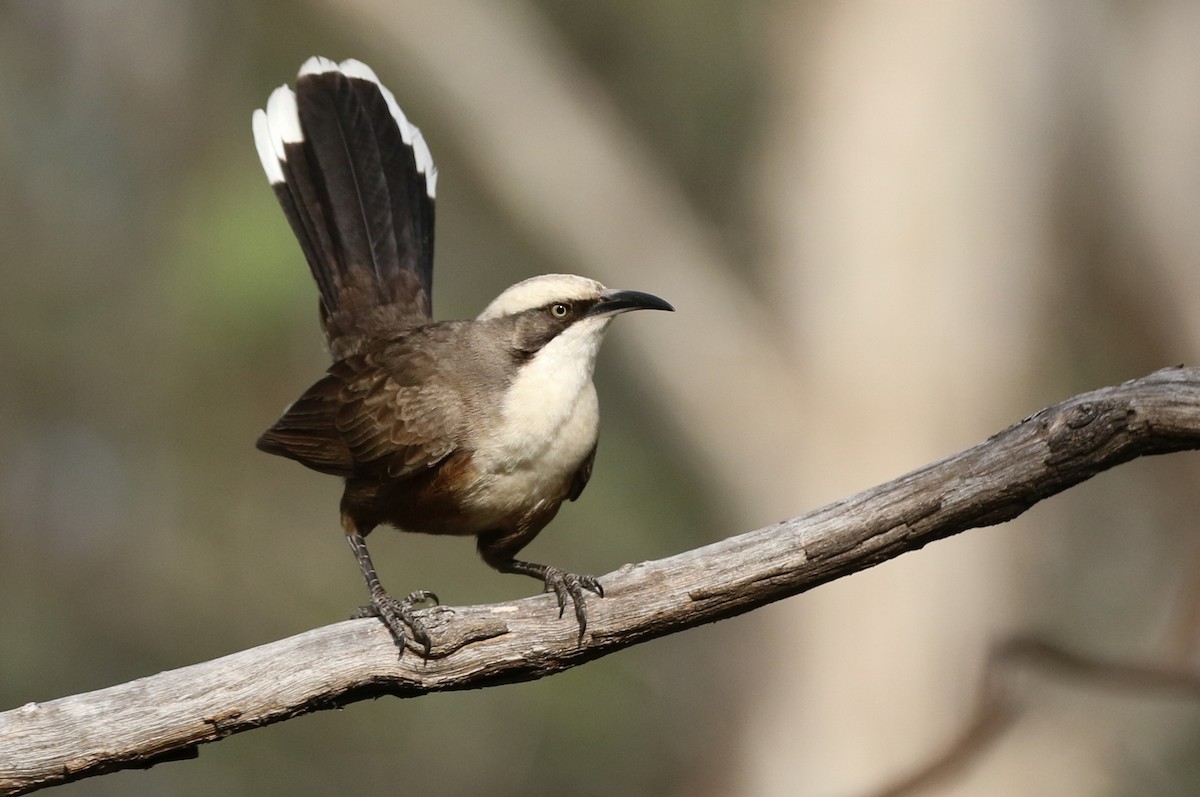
column 479, row 427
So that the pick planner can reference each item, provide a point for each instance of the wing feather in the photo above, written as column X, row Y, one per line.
column 385, row 412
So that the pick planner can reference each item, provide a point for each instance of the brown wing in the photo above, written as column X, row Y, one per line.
column 385, row 412
column 392, row 420
column 306, row 432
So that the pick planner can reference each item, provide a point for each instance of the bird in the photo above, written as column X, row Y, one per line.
column 479, row 427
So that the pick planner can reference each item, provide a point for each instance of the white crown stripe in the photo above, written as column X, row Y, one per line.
column 538, row 291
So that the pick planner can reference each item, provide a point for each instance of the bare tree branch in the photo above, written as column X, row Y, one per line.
column 166, row 716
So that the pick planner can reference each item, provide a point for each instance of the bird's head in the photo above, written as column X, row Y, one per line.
column 544, row 308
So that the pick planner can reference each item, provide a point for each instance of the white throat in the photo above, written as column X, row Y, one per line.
column 550, row 415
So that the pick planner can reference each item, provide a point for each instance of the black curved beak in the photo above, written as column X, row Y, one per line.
column 614, row 301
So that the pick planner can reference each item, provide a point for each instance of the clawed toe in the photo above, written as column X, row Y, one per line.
column 422, row 596
column 564, row 584
column 399, row 616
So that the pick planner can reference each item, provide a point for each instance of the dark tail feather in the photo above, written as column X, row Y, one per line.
column 339, row 136
column 409, row 171
column 356, row 183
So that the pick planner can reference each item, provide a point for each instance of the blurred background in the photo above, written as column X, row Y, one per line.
column 890, row 230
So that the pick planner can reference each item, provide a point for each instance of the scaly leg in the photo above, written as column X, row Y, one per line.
column 394, row 614
column 497, row 550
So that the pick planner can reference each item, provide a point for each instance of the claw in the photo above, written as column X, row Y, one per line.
column 422, row 596
column 397, row 615
column 562, row 584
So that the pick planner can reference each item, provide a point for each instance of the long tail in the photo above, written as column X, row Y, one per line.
column 356, row 181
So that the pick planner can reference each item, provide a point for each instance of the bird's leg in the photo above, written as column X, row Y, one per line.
column 497, row 550
column 395, row 614
column 562, row 584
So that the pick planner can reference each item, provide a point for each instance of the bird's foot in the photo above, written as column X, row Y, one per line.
column 396, row 615
column 564, row 584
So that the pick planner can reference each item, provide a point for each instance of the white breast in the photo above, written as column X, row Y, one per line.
column 549, row 422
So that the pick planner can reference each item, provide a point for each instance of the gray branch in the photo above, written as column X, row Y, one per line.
column 166, row 716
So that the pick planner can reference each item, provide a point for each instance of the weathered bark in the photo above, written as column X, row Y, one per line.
column 166, row 716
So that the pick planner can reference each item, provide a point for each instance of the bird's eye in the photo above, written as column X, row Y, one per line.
column 560, row 310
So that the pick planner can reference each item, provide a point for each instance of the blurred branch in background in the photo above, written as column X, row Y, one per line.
column 1002, row 700
column 162, row 717
column 886, row 225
